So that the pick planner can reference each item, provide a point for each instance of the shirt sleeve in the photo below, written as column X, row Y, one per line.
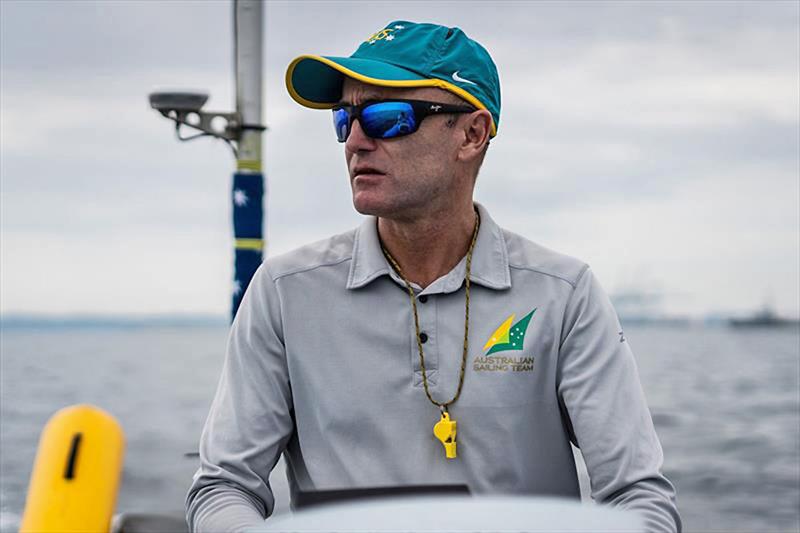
column 599, row 388
column 250, row 420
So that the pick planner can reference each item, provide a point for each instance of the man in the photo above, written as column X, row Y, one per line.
column 428, row 346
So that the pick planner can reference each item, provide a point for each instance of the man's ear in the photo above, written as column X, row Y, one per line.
column 477, row 130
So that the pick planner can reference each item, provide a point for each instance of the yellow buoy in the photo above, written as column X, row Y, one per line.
column 76, row 473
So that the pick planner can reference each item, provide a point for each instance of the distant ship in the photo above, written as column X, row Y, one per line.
column 641, row 307
column 766, row 318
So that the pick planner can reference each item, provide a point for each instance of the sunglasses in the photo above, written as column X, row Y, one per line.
column 387, row 119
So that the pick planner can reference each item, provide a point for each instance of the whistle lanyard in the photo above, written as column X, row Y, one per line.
column 445, row 428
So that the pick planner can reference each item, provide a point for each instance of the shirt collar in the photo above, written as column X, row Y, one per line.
column 489, row 259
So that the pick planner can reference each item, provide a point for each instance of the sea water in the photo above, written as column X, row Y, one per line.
column 725, row 402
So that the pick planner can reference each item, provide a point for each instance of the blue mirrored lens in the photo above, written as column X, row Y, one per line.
column 385, row 120
column 341, row 122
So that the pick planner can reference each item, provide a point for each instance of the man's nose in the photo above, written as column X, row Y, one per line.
column 357, row 140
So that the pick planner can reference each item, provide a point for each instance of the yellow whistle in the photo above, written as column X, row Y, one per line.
column 76, row 474
column 445, row 431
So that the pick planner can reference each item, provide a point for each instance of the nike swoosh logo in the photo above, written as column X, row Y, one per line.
column 458, row 78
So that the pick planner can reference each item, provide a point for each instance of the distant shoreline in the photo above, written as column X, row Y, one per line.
column 88, row 321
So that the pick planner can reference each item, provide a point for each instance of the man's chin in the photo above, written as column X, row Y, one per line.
column 369, row 206
column 397, row 208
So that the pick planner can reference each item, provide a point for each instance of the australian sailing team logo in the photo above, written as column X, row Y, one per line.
column 510, row 336
column 385, row 34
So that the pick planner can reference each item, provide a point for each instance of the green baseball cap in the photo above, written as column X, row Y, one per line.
column 403, row 54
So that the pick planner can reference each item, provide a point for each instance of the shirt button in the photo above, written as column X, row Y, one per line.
column 423, row 298
column 423, row 337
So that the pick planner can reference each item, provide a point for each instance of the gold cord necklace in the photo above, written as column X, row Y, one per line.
column 445, row 428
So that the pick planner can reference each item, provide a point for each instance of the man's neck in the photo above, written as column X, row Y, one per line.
column 429, row 246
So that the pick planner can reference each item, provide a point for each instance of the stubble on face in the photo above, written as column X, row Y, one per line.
column 406, row 177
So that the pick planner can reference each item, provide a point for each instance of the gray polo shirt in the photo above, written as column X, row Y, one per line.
column 322, row 365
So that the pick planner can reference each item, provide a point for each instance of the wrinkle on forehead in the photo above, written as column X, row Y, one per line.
column 355, row 92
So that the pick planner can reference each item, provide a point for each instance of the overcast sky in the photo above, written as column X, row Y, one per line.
column 659, row 142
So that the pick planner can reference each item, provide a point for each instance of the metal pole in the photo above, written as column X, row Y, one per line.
column 248, row 180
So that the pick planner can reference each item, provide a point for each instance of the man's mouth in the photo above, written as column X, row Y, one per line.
column 362, row 171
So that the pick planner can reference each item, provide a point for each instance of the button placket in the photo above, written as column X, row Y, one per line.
column 426, row 312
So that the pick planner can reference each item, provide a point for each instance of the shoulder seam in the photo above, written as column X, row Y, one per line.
column 309, row 268
column 566, row 306
column 572, row 284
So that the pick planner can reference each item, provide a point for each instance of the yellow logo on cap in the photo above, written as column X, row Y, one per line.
column 384, row 35
column 380, row 35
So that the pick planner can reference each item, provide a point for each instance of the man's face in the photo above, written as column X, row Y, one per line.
column 405, row 176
